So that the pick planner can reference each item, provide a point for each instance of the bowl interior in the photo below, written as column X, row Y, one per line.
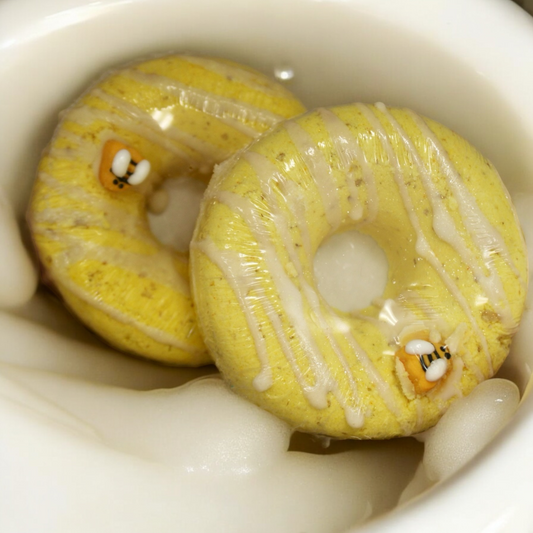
column 340, row 52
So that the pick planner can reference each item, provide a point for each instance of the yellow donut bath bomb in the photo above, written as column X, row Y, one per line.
column 456, row 281
column 138, row 126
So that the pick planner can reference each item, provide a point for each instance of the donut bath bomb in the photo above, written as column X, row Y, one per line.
column 457, row 271
column 140, row 125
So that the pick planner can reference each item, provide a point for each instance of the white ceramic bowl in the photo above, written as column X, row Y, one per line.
column 466, row 63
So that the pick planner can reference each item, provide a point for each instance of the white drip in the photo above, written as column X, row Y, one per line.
column 104, row 214
column 227, row 110
column 349, row 152
column 52, row 215
column 229, row 70
column 422, row 246
column 477, row 225
column 486, row 236
column 290, row 296
column 240, row 281
column 298, row 206
column 153, row 333
column 150, row 130
column 120, row 258
column 152, row 122
column 319, row 171
column 159, row 264
column 268, row 174
column 231, row 266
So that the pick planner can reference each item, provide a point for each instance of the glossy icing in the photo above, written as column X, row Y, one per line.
column 330, row 170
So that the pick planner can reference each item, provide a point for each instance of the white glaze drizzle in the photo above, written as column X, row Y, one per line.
column 289, row 294
column 267, row 174
column 480, row 230
column 86, row 115
column 159, row 264
column 154, row 333
column 486, row 236
column 420, row 416
column 422, row 246
column 52, row 215
column 349, row 152
column 113, row 217
column 231, row 266
column 229, row 71
column 229, row 263
column 104, row 213
column 319, row 171
column 149, row 121
column 227, row 110
column 291, row 190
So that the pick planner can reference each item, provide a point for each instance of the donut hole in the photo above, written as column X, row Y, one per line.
column 351, row 270
column 173, row 209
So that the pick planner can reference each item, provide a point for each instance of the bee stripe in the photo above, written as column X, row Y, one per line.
column 427, row 359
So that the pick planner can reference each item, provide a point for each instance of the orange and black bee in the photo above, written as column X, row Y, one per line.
column 121, row 166
column 425, row 363
column 439, row 352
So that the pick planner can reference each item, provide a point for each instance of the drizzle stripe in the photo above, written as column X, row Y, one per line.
column 320, row 172
column 422, row 246
column 224, row 109
column 349, row 152
column 446, row 230
column 267, row 173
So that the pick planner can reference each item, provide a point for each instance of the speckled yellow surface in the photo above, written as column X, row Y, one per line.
column 184, row 115
column 457, row 269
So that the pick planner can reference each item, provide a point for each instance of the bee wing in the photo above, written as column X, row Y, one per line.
column 120, row 164
column 141, row 172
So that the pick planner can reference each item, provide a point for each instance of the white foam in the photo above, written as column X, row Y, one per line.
column 195, row 459
column 466, row 428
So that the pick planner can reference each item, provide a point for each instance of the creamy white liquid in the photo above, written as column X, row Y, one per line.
column 464, row 430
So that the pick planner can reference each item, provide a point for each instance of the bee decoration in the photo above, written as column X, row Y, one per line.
column 425, row 363
column 122, row 166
